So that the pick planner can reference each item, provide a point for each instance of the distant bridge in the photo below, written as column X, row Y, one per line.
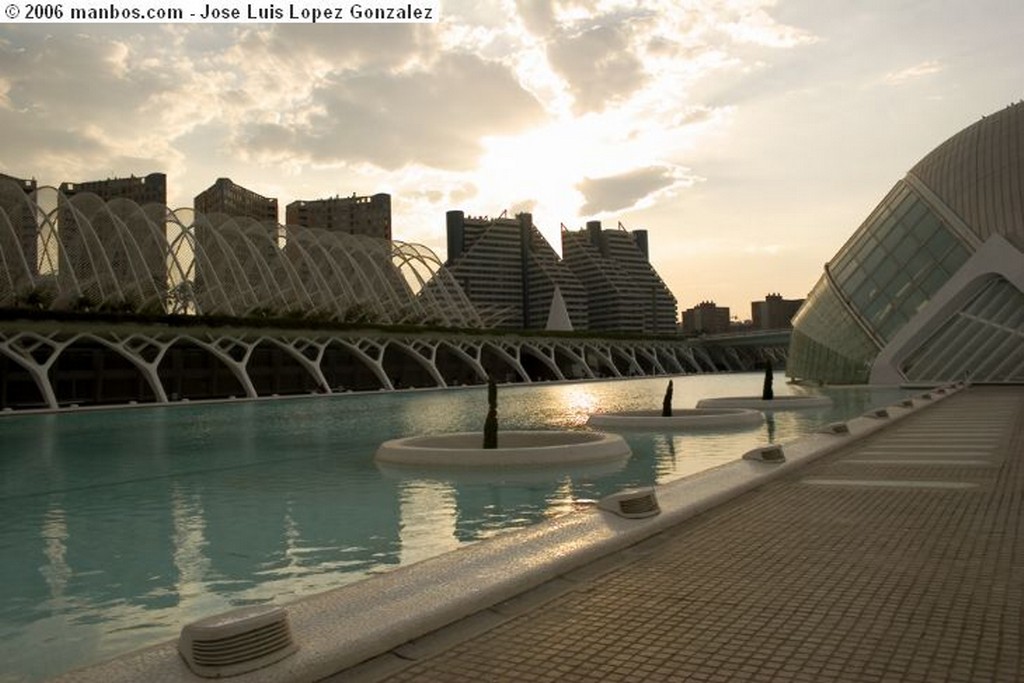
column 51, row 365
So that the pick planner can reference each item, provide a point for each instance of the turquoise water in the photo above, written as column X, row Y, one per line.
column 118, row 527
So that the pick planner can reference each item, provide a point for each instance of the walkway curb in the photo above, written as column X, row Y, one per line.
column 350, row 625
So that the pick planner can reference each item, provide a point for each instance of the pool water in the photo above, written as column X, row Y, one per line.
column 117, row 527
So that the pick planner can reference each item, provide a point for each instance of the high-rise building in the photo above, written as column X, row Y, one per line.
column 18, row 209
column 774, row 313
column 370, row 216
column 930, row 288
column 223, row 202
column 510, row 272
column 228, row 198
column 624, row 292
column 706, row 318
column 151, row 189
column 131, row 233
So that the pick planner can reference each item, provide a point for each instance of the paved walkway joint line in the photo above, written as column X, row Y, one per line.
column 868, row 581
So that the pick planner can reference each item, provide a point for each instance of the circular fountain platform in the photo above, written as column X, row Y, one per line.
column 515, row 448
column 758, row 403
column 689, row 418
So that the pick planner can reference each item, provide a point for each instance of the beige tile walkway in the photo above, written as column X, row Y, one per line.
column 900, row 558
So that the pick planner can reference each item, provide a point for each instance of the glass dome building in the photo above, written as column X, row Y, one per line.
column 930, row 288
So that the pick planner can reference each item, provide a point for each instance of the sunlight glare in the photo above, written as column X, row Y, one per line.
column 580, row 402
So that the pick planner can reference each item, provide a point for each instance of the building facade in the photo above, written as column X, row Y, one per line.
column 226, row 197
column 93, row 218
column 706, row 318
column 20, row 228
column 149, row 189
column 774, row 313
column 226, row 202
column 216, row 266
column 510, row 272
column 370, row 216
column 930, row 288
column 624, row 292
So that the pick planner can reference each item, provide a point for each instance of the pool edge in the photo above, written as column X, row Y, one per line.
column 344, row 627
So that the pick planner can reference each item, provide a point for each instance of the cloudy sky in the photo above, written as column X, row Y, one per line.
column 750, row 137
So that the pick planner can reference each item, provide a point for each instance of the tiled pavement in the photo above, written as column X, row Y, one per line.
column 899, row 558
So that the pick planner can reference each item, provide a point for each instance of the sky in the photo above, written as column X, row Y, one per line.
column 750, row 138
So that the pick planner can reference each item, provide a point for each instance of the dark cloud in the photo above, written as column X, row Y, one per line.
column 30, row 148
column 615, row 193
column 80, row 100
column 383, row 94
column 344, row 46
column 538, row 16
column 69, row 75
column 598, row 65
column 435, row 117
column 522, row 206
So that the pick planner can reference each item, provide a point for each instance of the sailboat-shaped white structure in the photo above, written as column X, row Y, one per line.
column 558, row 314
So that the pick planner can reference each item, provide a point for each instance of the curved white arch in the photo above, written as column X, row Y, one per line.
column 118, row 255
column 472, row 362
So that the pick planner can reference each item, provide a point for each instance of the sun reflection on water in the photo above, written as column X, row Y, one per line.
column 121, row 526
column 580, row 401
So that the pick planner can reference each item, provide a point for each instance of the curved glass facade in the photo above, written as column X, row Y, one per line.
column 828, row 344
column 994, row 316
column 880, row 284
column 896, row 262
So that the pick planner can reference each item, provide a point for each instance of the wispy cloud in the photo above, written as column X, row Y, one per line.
column 765, row 249
column 912, row 73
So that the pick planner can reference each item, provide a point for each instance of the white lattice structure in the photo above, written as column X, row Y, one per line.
column 83, row 253
column 50, row 365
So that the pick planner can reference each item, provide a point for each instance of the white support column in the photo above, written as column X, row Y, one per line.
column 295, row 348
column 513, row 354
column 20, row 347
column 604, row 353
column 221, row 347
column 652, row 356
column 546, row 355
column 674, row 366
column 473, row 360
column 576, row 354
column 372, row 353
column 130, row 348
column 426, row 353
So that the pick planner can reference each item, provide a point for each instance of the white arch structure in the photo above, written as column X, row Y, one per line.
column 40, row 361
column 81, row 253
column 84, row 253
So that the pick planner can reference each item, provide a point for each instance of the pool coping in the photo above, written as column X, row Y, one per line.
column 347, row 626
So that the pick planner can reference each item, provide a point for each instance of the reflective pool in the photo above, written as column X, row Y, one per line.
column 117, row 527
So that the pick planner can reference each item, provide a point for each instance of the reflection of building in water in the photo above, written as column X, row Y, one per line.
column 930, row 287
column 126, row 559
column 427, row 517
